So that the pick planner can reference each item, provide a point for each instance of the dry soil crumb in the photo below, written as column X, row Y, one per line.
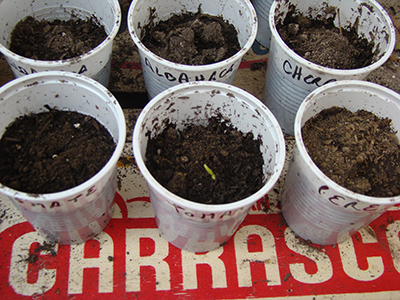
column 192, row 38
column 359, row 151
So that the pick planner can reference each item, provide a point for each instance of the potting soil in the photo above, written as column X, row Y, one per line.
column 56, row 40
column 207, row 164
column 359, row 151
column 53, row 151
column 322, row 43
column 191, row 38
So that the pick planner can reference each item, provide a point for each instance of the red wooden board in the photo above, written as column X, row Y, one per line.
column 264, row 259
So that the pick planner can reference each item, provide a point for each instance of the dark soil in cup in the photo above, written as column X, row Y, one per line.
column 359, row 151
column 191, row 38
column 213, row 164
column 56, row 40
column 53, row 151
column 320, row 42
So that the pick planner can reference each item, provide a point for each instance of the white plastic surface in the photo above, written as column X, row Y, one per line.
column 290, row 78
column 262, row 8
column 203, row 227
column 95, row 64
column 77, row 214
column 314, row 206
column 159, row 73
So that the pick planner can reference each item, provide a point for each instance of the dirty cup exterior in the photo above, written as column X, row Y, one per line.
column 95, row 64
column 159, row 73
column 262, row 8
column 315, row 207
column 77, row 214
column 186, row 224
column 290, row 78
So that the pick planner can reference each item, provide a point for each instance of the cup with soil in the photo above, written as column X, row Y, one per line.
column 315, row 43
column 208, row 151
column 75, row 36
column 62, row 135
column 191, row 40
column 345, row 168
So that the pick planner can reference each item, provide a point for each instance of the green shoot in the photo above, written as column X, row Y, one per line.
column 209, row 171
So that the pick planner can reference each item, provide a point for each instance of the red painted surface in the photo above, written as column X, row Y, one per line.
column 263, row 259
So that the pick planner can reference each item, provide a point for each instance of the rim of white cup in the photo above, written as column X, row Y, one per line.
column 195, row 68
column 109, row 99
column 335, row 87
column 253, row 102
column 60, row 63
column 332, row 71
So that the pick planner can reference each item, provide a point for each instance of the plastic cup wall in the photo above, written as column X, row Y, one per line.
column 159, row 73
column 95, row 64
column 290, row 78
column 262, row 8
column 77, row 214
column 203, row 227
column 315, row 207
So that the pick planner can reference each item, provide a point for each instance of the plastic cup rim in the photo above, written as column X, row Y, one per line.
column 194, row 68
column 117, row 111
column 280, row 159
column 332, row 71
column 60, row 63
column 362, row 86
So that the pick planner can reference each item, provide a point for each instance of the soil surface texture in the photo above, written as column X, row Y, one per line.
column 191, row 38
column 56, row 40
column 320, row 42
column 359, row 151
column 53, row 151
column 213, row 164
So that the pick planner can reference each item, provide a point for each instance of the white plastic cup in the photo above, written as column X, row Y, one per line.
column 95, row 64
column 189, row 225
column 79, row 213
column 290, row 78
column 263, row 8
column 315, row 207
column 159, row 73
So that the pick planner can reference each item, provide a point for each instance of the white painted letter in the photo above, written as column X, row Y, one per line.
column 349, row 258
column 134, row 261
column 298, row 271
column 393, row 237
column 189, row 262
column 19, row 267
column 267, row 256
column 78, row 263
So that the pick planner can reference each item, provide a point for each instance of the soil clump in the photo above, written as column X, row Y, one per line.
column 359, row 151
column 53, row 151
column 322, row 43
column 191, row 38
column 56, row 40
column 207, row 164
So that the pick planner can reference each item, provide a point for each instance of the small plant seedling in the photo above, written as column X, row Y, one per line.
column 209, row 171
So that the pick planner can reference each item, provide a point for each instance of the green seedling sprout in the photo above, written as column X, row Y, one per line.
column 209, row 171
